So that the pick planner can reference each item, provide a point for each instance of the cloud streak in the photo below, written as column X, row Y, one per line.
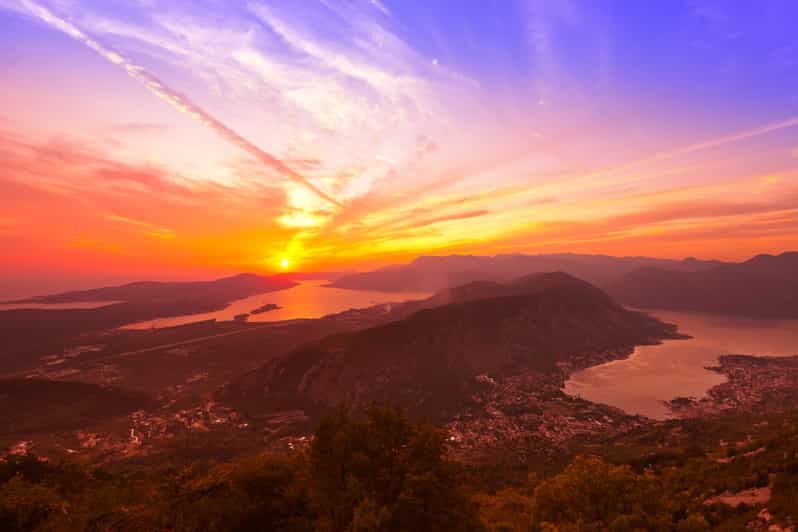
column 149, row 229
column 708, row 144
column 505, row 124
column 742, row 135
column 174, row 98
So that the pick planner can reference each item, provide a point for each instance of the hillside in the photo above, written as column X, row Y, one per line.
column 732, row 473
column 39, row 406
column 26, row 333
column 225, row 289
column 433, row 274
column 764, row 286
column 429, row 360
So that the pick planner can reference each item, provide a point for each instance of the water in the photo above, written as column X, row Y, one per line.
column 654, row 374
column 309, row 299
column 56, row 306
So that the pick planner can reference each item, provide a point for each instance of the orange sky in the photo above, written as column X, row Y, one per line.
column 168, row 144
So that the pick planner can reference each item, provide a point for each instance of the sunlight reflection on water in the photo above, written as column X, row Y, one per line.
column 309, row 299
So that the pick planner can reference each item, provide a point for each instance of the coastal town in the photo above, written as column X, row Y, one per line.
column 522, row 415
column 529, row 414
column 756, row 384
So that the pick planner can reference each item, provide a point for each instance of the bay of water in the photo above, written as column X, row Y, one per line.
column 308, row 299
column 653, row 374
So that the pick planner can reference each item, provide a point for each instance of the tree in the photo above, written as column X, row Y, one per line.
column 507, row 510
column 266, row 492
column 591, row 494
column 380, row 471
column 26, row 506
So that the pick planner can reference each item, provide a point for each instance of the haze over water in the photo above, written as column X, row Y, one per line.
column 310, row 299
column 676, row 368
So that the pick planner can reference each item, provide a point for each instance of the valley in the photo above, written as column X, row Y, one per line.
column 235, row 385
column 209, row 372
column 520, row 376
column 398, row 266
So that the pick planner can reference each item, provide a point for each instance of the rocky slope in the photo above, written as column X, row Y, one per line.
column 430, row 361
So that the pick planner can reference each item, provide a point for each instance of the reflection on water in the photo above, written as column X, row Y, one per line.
column 56, row 306
column 642, row 382
column 309, row 299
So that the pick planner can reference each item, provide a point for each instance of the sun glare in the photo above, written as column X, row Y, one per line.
column 284, row 263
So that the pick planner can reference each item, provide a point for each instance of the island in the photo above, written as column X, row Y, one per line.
column 266, row 308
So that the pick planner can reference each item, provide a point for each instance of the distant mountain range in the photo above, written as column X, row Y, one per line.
column 429, row 360
column 433, row 274
column 764, row 286
column 225, row 289
column 26, row 333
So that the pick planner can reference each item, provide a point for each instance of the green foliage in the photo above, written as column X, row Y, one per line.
column 266, row 492
column 592, row 494
column 379, row 471
column 508, row 510
column 25, row 505
column 373, row 472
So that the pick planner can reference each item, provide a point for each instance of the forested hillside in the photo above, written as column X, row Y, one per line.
column 381, row 470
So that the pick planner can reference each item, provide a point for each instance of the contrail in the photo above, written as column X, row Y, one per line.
column 685, row 150
column 174, row 98
column 742, row 135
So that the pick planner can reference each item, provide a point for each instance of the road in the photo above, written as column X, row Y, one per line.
column 171, row 345
column 271, row 324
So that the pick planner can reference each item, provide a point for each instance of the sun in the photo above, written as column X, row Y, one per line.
column 284, row 263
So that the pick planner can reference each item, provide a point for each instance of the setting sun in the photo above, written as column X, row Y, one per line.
column 460, row 241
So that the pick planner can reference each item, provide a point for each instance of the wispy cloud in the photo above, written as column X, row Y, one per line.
column 435, row 128
column 352, row 94
column 149, row 229
column 351, row 105
column 174, row 98
column 728, row 139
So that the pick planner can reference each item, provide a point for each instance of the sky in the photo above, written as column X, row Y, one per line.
column 177, row 139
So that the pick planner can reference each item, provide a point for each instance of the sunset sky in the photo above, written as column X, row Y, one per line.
column 187, row 139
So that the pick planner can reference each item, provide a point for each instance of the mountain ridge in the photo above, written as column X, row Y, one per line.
column 231, row 286
column 435, row 273
column 428, row 361
column 765, row 286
